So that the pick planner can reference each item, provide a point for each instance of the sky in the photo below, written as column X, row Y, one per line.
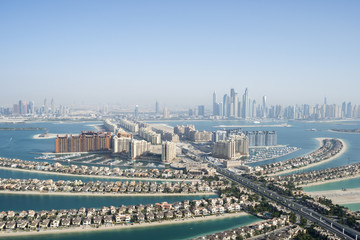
column 179, row 52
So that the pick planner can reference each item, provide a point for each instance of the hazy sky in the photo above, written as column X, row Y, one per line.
column 179, row 52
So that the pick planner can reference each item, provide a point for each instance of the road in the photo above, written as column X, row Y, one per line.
column 334, row 227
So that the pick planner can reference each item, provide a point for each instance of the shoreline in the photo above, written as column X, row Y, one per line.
column 328, row 181
column 105, row 194
column 340, row 153
column 97, row 176
column 330, row 130
column 251, row 126
column 339, row 196
column 49, row 136
column 119, row 227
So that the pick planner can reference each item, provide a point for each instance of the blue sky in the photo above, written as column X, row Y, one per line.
column 179, row 52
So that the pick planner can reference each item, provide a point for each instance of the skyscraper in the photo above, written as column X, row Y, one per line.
column 45, row 106
column 168, row 152
column 201, row 110
column 215, row 105
column 264, row 107
column 136, row 113
column 349, row 110
column 226, row 105
column 31, row 107
column 245, row 108
column 52, row 106
column 166, row 113
column 157, row 110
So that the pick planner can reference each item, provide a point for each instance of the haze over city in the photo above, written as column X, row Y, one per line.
column 185, row 119
column 127, row 53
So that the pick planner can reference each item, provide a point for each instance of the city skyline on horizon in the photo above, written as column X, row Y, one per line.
column 125, row 53
column 158, row 106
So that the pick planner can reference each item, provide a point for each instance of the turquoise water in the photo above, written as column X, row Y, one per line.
column 20, row 144
column 47, row 202
column 296, row 135
column 349, row 183
column 352, row 206
column 178, row 231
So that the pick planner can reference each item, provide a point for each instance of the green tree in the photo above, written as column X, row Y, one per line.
column 303, row 222
column 292, row 217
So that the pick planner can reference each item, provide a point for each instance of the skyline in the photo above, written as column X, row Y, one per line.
column 127, row 53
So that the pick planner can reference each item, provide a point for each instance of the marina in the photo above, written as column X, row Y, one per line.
column 66, row 202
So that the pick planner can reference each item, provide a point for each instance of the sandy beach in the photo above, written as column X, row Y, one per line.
column 162, row 126
column 97, row 176
column 339, row 196
column 106, row 194
column 118, row 227
column 342, row 151
column 48, row 136
column 98, row 127
column 252, row 126
column 329, row 181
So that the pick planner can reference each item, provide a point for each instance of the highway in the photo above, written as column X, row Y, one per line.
column 334, row 227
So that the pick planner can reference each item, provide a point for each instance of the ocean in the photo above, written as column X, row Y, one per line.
column 20, row 144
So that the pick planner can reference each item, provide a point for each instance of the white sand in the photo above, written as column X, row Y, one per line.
column 99, row 176
column 104, row 194
column 47, row 136
column 118, row 227
column 329, row 181
column 341, row 152
column 339, row 196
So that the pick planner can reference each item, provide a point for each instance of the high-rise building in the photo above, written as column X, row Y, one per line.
column 262, row 138
column 264, row 107
column 46, row 109
column 220, row 135
column 245, row 108
column 134, row 148
column 271, row 138
column 201, row 110
column 224, row 149
column 233, row 103
column 215, row 105
column 253, row 109
column 52, row 106
column 168, row 153
column 136, row 112
column 138, row 148
column 226, row 105
column 23, row 110
column 235, row 147
column 85, row 142
column 129, row 125
column 157, row 109
column 166, row 113
column 149, row 135
column 31, row 107
column 121, row 144
column 15, row 109
column 349, row 110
